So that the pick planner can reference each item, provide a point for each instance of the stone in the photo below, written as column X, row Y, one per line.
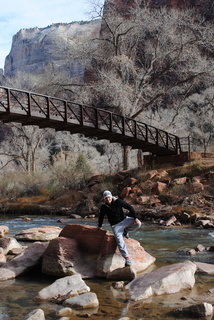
column 196, row 179
column 182, row 180
column 22, row 263
column 170, row 221
column 203, row 223
column 3, row 231
column 8, row 244
column 197, row 311
column 62, row 220
column 209, row 225
column 16, row 251
column 191, row 252
column 200, row 248
column 37, row 314
column 126, row 274
column 184, row 217
column 44, row 233
column 202, row 267
column 83, row 301
column 196, row 187
column 90, row 251
column 95, row 180
column 129, row 181
column 58, row 259
column 143, row 199
column 64, row 311
column 119, row 285
column 149, row 175
column 211, row 248
column 2, row 257
column 148, row 200
column 159, row 187
column 75, row 216
column 26, row 219
column 125, row 192
column 136, row 190
column 62, row 288
column 166, row 280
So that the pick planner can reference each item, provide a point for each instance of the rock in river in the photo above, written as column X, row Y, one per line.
column 90, row 251
column 165, row 280
column 45, row 233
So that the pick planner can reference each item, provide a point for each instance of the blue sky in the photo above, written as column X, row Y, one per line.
column 19, row 14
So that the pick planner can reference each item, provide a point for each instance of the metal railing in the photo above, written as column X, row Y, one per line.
column 44, row 111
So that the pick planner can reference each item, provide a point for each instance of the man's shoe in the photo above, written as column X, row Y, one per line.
column 128, row 262
column 125, row 234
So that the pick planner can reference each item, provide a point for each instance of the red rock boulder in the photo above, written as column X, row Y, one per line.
column 90, row 251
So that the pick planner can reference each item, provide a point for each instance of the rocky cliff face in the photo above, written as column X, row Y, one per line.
column 38, row 48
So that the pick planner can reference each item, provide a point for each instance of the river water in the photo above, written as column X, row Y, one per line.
column 165, row 244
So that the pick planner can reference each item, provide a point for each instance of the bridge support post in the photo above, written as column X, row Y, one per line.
column 8, row 100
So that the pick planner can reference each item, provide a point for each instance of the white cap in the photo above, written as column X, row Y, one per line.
column 107, row 194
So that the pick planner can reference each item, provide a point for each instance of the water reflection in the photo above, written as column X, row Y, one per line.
column 165, row 244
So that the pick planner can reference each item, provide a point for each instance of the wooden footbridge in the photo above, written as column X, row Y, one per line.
column 30, row 108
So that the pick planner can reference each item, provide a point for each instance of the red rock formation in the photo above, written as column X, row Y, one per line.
column 123, row 6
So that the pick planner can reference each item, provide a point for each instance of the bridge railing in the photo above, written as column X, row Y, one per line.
column 21, row 103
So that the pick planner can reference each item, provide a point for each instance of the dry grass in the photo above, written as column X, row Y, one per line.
column 32, row 200
column 47, row 186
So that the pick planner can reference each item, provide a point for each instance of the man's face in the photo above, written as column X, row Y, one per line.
column 108, row 200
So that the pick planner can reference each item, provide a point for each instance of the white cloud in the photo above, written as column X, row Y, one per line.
column 16, row 15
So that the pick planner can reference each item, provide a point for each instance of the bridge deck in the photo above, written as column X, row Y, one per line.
column 34, row 109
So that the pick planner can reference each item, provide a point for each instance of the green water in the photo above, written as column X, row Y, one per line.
column 165, row 244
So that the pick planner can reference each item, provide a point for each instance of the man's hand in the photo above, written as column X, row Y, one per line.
column 136, row 221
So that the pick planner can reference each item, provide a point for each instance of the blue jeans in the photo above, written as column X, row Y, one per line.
column 129, row 225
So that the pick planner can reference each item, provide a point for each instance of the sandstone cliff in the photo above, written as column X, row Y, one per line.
column 38, row 48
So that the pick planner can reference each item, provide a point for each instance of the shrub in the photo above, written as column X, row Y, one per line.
column 189, row 170
column 179, row 190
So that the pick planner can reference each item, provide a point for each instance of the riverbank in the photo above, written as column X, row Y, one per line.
column 178, row 195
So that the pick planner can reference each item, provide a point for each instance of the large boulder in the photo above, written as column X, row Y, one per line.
column 165, row 280
column 44, row 233
column 22, row 263
column 90, row 251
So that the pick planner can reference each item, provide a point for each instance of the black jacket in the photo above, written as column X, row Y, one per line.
column 114, row 212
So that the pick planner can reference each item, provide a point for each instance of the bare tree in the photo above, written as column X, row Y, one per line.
column 24, row 146
column 152, row 60
column 201, row 110
column 153, row 56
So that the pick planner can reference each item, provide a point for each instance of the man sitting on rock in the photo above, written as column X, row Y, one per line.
column 120, row 223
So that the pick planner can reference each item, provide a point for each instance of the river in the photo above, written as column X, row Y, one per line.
column 165, row 244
